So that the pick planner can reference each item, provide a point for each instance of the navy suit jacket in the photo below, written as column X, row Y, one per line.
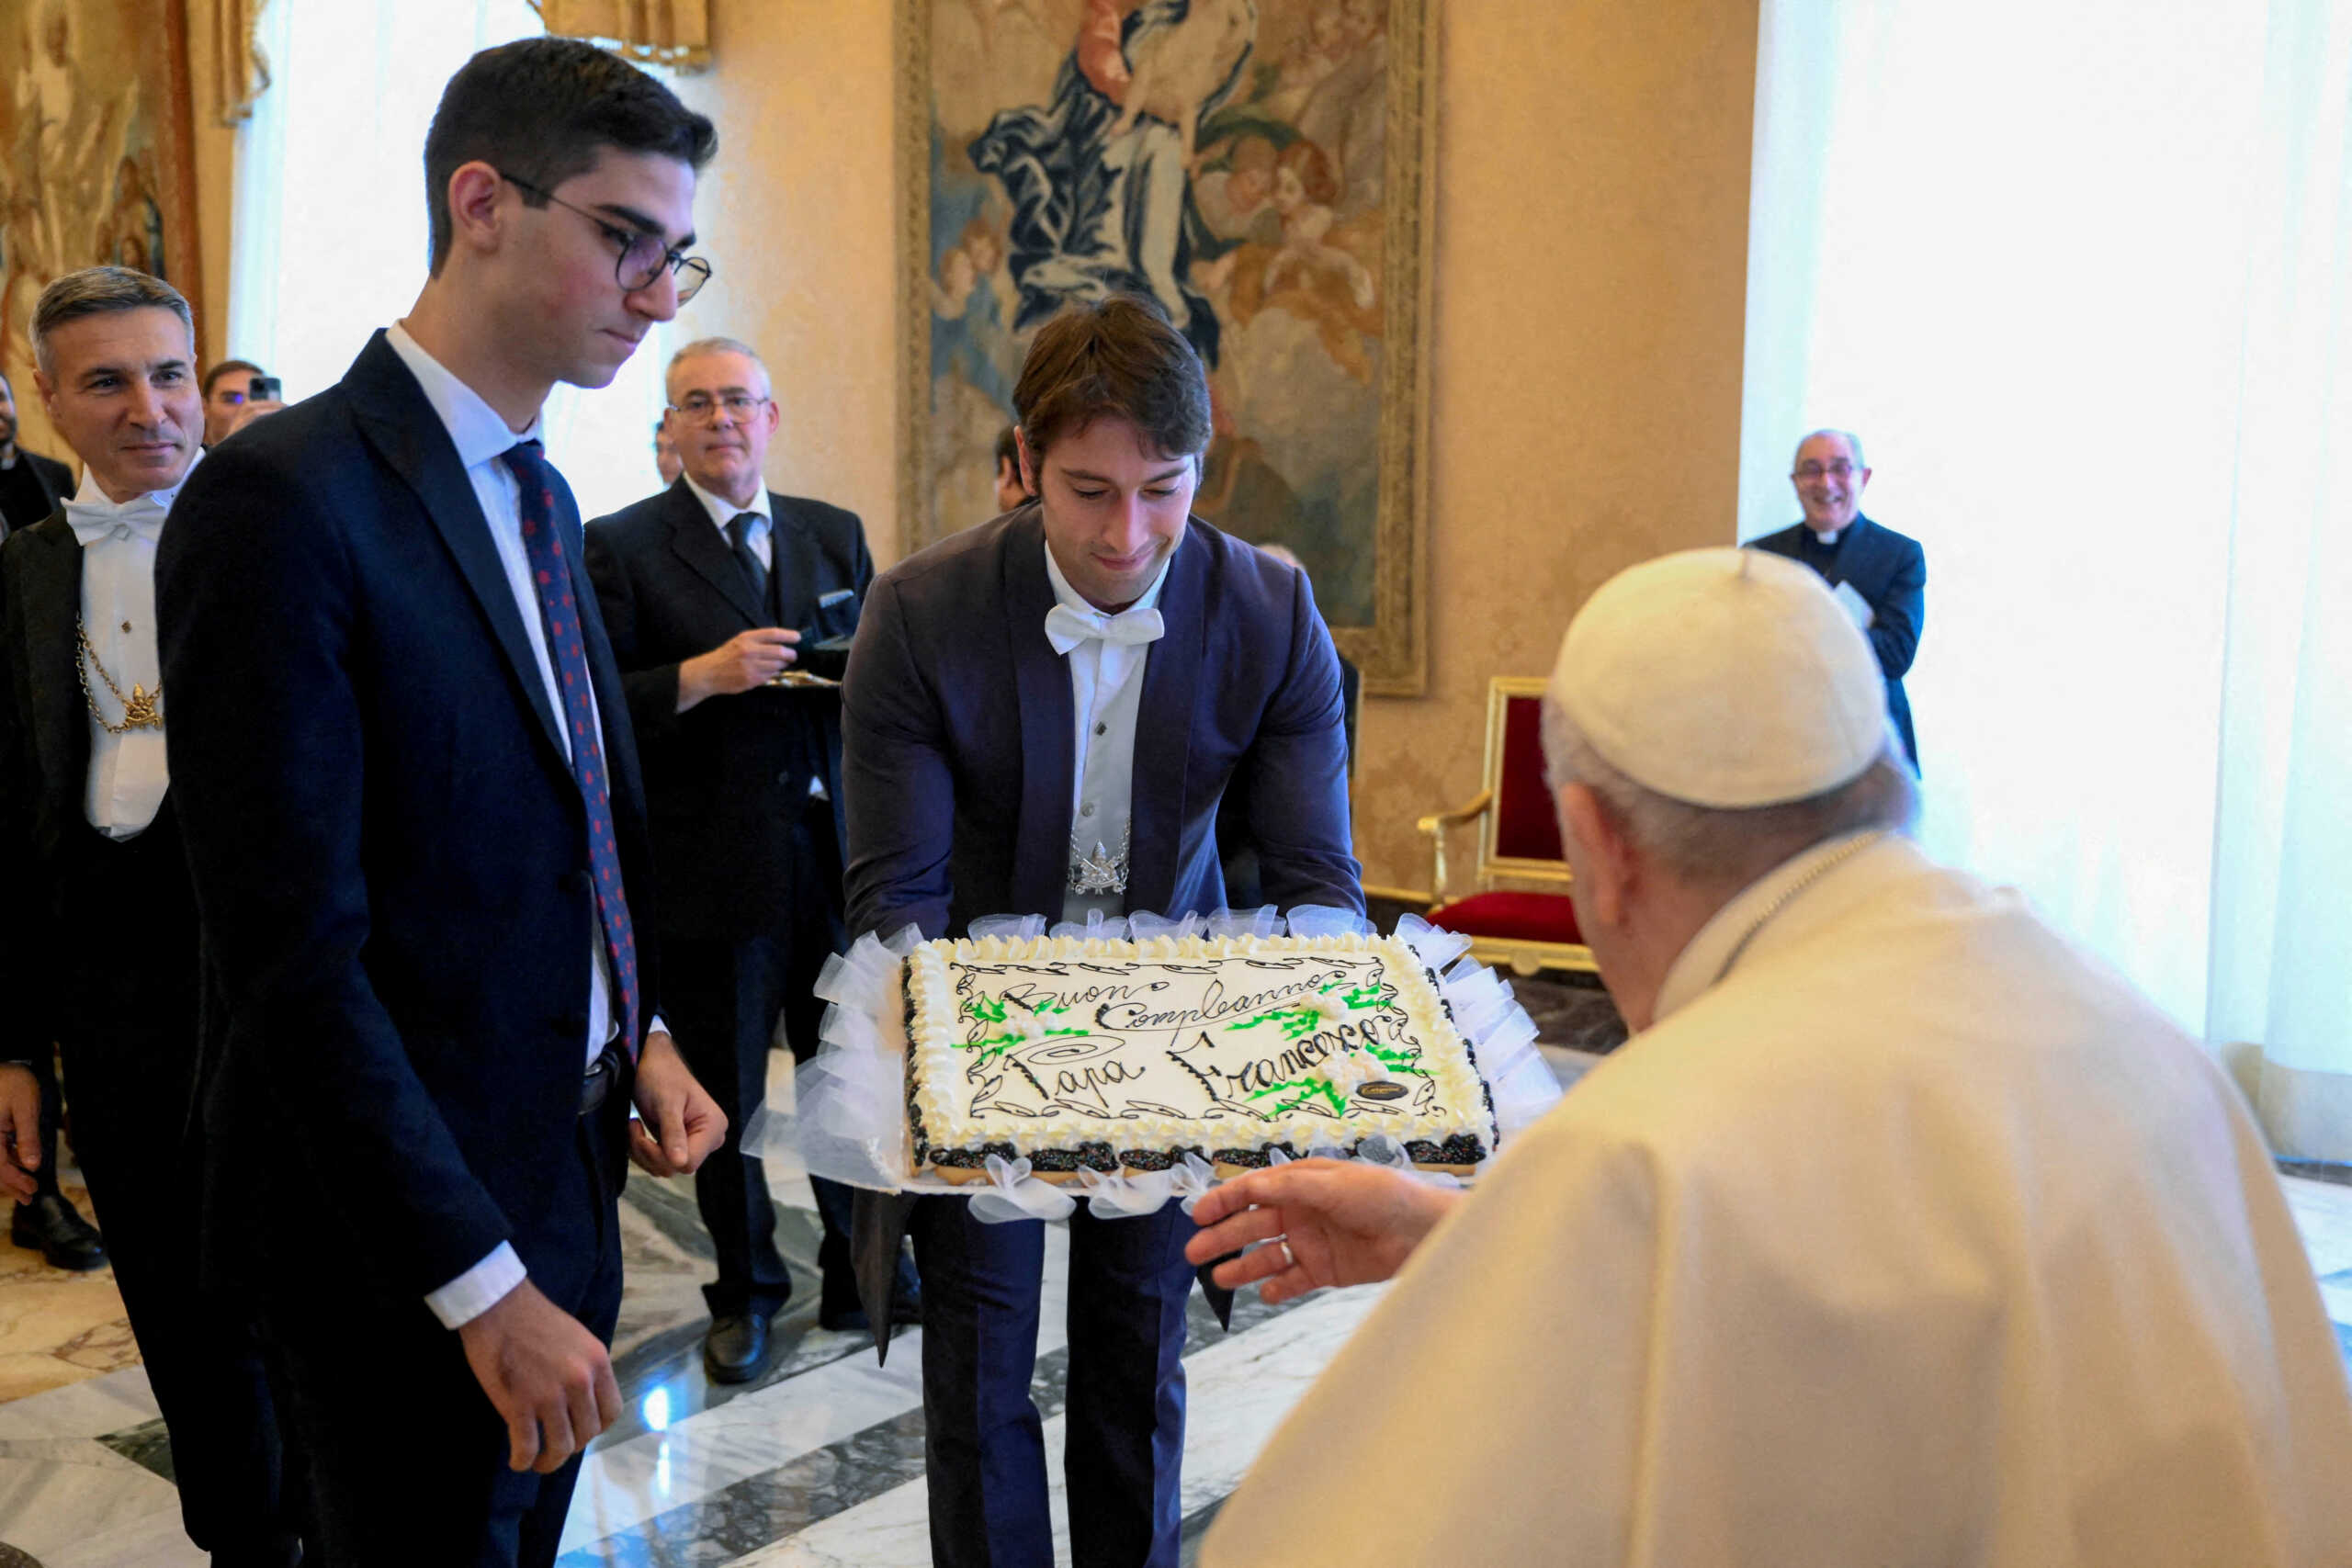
column 389, row 851
column 725, row 780
column 1889, row 571
column 959, row 747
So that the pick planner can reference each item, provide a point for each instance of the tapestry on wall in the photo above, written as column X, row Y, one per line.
column 1258, row 166
column 96, row 161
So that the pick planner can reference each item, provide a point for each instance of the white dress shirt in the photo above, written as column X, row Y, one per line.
column 128, row 775
column 481, row 437
column 723, row 512
column 1106, row 689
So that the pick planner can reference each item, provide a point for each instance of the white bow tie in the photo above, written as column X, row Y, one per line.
column 94, row 520
column 1066, row 627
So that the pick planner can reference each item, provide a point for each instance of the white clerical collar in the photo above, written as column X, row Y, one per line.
column 723, row 512
column 1830, row 539
column 1719, row 943
column 478, row 431
column 1070, row 598
column 90, row 495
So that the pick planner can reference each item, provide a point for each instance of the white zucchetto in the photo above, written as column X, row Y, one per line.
column 1723, row 678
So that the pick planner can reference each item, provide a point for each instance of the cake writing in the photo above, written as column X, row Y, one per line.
column 1150, row 1047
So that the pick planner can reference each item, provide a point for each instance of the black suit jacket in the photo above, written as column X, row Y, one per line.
column 50, row 958
column 53, row 479
column 725, row 781
column 389, row 852
column 1889, row 571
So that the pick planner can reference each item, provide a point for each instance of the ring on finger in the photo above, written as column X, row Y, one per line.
column 1289, row 1260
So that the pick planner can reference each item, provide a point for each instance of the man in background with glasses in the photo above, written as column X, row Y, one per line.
column 717, row 595
column 1879, row 576
column 412, row 808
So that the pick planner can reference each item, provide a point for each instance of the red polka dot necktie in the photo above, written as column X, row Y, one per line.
column 559, row 616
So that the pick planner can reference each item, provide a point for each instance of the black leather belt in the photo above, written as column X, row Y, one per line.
column 600, row 1078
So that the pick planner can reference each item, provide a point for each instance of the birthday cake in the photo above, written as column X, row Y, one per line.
column 1077, row 1054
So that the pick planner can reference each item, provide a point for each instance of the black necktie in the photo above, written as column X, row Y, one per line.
column 738, row 534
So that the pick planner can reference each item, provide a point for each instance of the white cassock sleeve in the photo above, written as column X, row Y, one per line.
column 1723, row 1306
column 1490, row 1409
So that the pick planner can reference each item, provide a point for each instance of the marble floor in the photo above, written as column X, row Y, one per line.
column 818, row 1466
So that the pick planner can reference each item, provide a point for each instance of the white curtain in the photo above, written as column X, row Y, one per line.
column 2079, row 272
column 329, row 234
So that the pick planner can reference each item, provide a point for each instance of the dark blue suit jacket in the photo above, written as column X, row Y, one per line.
column 1889, row 571
column 958, row 746
column 390, row 854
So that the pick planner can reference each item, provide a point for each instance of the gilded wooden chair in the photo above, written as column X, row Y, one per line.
column 1519, row 841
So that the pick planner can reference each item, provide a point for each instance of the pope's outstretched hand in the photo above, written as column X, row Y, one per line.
column 1315, row 1223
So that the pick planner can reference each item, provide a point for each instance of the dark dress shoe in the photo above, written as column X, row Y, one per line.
column 738, row 1347
column 50, row 1224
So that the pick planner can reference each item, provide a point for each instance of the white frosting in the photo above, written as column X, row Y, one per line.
column 1222, row 1043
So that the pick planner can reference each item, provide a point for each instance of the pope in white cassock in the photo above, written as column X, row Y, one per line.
column 1902, row 1232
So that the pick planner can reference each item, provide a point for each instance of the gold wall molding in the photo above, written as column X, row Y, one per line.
column 675, row 33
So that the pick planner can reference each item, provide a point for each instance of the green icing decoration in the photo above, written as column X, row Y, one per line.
column 992, row 1010
column 1311, row 1088
column 1296, row 1022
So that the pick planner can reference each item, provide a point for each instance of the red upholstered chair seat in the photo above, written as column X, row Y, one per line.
column 1512, row 917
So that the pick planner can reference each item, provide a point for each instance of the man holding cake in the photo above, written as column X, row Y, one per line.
column 1042, row 717
column 1901, row 1231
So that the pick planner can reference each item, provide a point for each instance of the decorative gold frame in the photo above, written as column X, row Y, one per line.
column 1393, row 652
column 129, row 48
column 1524, row 957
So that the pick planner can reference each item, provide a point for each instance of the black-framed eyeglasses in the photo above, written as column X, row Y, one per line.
column 643, row 256
column 1808, row 473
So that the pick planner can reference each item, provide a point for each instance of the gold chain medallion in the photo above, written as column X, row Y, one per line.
column 142, row 709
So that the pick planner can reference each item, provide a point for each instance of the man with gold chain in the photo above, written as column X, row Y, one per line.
column 102, row 956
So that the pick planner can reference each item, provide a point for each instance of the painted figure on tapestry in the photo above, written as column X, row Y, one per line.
column 87, row 149
column 1224, row 157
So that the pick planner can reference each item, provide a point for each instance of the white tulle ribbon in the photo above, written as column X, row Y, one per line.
column 1189, row 1181
column 1502, row 1038
column 1009, row 928
column 1123, row 1194
column 852, row 1095
column 1312, row 921
column 1013, row 1194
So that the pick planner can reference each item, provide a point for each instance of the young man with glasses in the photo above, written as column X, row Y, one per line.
column 1880, row 576
column 413, row 810
column 712, row 591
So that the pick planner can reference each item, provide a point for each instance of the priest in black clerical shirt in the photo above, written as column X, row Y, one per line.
column 1879, row 576
column 31, row 486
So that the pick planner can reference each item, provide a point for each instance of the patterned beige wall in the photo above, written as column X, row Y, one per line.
column 1591, row 287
